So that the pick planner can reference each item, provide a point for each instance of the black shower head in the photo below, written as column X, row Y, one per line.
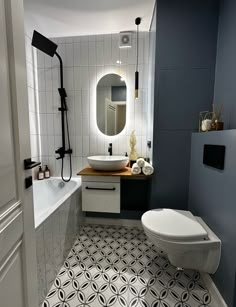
column 44, row 44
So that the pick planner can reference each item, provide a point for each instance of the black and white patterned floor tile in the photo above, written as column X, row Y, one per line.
column 118, row 266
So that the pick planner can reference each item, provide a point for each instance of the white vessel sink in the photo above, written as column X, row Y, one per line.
column 108, row 163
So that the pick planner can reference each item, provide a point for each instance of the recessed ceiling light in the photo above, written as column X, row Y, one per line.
column 118, row 62
column 123, row 47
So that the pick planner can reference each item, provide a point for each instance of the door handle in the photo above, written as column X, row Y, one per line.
column 29, row 164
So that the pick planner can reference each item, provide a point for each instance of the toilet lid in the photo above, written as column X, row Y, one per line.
column 173, row 225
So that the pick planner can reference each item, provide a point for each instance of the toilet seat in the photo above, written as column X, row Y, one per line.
column 174, row 225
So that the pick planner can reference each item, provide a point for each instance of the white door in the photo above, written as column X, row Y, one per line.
column 18, row 280
column 110, row 118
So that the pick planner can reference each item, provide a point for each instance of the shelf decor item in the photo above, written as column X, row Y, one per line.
column 217, row 124
column 133, row 154
column 205, row 121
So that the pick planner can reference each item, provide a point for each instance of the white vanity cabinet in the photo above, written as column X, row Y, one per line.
column 101, row 194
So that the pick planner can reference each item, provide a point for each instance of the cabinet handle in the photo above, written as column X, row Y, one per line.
column 102, row 189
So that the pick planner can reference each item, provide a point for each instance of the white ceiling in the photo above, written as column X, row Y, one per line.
column 56, row 18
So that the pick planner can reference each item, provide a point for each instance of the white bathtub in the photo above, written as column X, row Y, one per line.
column 49, row 194
column 58, row 215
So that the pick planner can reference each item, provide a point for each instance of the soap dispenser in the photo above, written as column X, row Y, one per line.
column 46, row 172
column 40, row 174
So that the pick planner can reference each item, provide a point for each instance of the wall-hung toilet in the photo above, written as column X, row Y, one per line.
column 186, row 239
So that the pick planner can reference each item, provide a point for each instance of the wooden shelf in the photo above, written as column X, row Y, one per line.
column 126, row 172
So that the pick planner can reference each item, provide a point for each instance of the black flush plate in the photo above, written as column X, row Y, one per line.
column 214, row 156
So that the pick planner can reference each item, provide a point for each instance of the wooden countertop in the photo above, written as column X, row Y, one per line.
column 126, row 172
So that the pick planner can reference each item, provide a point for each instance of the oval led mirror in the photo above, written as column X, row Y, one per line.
column 111, row 104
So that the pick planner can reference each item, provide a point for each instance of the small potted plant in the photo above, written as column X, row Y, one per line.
column 217, row 124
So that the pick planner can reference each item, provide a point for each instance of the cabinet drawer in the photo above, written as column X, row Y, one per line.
column 101, row 197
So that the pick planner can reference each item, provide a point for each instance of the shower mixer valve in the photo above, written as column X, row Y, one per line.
column 61, row 151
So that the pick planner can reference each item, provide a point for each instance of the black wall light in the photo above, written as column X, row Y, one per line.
column 136, row 93
column 48, row 47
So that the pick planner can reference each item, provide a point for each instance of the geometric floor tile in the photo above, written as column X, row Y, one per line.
column 118, row 266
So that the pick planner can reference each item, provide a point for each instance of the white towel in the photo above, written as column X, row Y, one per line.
column 135, row 170
column 148, row 169
column 140, row 162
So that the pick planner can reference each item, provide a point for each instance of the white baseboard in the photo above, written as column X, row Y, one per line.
column 109, row 221
column 217, row 299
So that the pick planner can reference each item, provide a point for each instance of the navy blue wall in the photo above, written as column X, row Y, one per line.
column 225, row 79
column 185, row 66
column 212, row 195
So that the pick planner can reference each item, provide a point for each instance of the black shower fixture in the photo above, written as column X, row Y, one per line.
column 47, row 46
column 44, row 44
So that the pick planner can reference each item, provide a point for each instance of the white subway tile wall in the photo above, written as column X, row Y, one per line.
column 86, row 59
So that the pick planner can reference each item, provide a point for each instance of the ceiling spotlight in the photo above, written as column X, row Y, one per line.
column 118, row 62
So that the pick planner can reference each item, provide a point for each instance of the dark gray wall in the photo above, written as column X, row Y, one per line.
column 225, row 79
column 212, row 195
column 185, row 66
column 118, row 93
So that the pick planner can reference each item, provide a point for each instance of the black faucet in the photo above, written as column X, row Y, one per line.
column 110, row 149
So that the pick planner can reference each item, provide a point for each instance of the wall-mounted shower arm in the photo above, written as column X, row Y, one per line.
column 61, row 68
